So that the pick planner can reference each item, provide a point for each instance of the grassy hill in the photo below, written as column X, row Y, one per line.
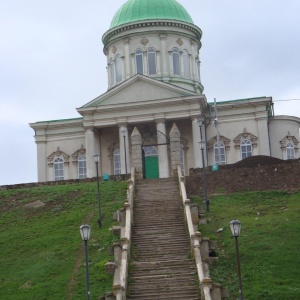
column 42, row 255
column 42, row 252
column 269, row 243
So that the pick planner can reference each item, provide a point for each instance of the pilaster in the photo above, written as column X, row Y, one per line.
column 196, row 147
column 163, row 161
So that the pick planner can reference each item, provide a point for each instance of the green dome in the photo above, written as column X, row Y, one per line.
column 139, row 10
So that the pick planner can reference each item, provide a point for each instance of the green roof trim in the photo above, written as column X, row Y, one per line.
column 62, row 120
column 237, row 100
column 141, row 10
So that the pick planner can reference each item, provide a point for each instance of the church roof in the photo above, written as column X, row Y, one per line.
column 140, row 10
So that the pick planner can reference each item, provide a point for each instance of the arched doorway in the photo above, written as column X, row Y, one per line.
column 150, row 162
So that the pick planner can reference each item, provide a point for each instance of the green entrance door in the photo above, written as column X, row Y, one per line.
column 150, row 162
column 151, row 165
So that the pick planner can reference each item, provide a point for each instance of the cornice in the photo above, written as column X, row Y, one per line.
column 151, row 23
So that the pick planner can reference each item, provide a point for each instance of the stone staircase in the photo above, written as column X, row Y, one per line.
column 161, row 265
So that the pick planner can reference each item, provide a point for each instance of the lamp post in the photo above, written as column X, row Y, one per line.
column 235, row 227
column 124, row 137
column 85, row 231
column 202, row 145
column 97, row 160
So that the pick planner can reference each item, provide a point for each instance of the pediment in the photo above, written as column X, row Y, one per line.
column 138, row 89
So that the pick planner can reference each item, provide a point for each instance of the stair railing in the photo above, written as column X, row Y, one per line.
column 122, row 255
column 195, row 239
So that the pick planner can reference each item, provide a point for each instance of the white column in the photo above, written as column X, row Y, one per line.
column 164, row 57
column 127, row 58
column 196, row 146
column 90, row 151
column 42, row 162
column 124, row 149
column 163, row 161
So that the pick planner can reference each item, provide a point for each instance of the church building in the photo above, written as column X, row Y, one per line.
column 154, row 95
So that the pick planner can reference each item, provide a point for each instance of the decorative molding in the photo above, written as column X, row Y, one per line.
column 213, row 141
column 244, row 136
column 179, row 42
column 144, row 41
column 81, row 151
column 289, row 138
column 58, row 153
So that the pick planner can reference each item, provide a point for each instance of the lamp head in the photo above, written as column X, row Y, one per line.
column 96, row 158
column 202, row 145
column 200, row 121
column 85, row 231
column 235, row 226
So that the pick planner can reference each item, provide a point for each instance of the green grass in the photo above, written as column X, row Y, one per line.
column 41, row 249
column 269, row 243
column 42, row 252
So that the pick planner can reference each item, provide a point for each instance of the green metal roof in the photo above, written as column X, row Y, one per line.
column 139, row 10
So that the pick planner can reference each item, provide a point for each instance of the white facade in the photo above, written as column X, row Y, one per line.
column 153, row 71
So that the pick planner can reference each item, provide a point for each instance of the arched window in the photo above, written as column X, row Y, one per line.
column 186, row 64
column 150, row 151
column 222, row 154
column 139, row 61
column 58, row 169
column 81, row 166
column 118, row 68
column 246, row 148
column 151, row 61
column 176, row 65
column 290, row 150
column 117, row 162
column 112, row 71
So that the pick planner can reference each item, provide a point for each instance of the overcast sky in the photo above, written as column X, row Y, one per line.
column 51, row 62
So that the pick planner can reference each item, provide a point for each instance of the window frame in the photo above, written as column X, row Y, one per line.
column 186, row 64
column 58, row 168
column 139, row 61
column 223, row 153
column 290, row 150
column 176, row 61
column 81, row 166
column 245, row 143
column 117, row 163
column 118, row 68
column 151, row 52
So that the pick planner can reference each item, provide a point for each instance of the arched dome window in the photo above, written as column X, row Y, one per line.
column 117, row 162
column 246, row 148
column 139, row 61
column 290, row 150
column 186, row 64
column 176, row 63
column 151, row 61
column 112, row 71
column 58, row 169
column 118, row 68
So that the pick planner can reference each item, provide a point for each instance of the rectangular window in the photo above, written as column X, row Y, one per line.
column 81, row 169
column 139, row 63
column 152, row 63
column 222, row 155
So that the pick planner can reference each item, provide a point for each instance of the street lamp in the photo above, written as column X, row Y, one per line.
column 235, row 227
column 202, row 145
column 124, row 137
column 85, row 231
column 97, row 160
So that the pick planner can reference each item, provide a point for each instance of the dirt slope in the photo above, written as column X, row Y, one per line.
column 254, row 173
